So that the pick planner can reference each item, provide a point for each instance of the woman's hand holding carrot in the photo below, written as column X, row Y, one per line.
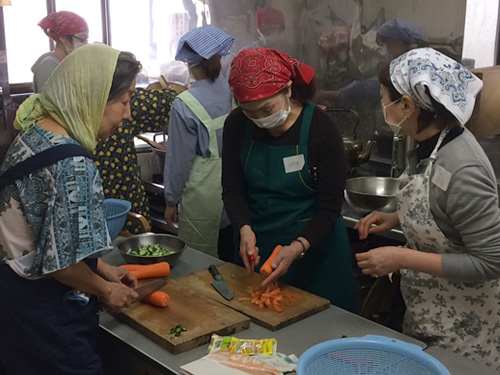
column 116, row 274
column 280, row 262
column 118, row 296
column 249, row 252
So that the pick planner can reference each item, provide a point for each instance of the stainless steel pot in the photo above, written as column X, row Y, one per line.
column 159, row 148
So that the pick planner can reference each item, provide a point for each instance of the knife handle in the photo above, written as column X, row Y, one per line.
column 215, row 272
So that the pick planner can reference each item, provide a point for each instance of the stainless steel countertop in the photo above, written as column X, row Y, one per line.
column 296, row 338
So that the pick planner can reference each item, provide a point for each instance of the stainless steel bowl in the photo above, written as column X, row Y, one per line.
column 372, row 193
column 168, row 241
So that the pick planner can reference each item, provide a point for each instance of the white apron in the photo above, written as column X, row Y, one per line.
column 461, row 316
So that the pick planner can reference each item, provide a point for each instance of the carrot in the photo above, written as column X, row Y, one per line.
column 271, row 296
column 158, row 298
column 144, row 271
column 131, row 267
column 266, row 268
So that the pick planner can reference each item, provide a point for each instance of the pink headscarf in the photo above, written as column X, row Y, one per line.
column 59, row 24
column 260, row 72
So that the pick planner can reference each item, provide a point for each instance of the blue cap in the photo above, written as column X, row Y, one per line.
column 206, row 41
column 400, row 29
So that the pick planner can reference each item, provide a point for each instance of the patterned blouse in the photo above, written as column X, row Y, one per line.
column 116, row 157
column 54, row 217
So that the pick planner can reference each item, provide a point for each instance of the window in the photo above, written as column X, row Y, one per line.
column 90, row 10
column 24, row 38
column 153, row 34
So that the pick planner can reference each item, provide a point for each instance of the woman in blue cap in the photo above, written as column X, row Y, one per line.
column 192, row 175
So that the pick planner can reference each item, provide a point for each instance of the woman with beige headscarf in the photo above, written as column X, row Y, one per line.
column 52, row 222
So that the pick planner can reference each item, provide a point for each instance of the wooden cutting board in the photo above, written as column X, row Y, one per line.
column 238, row 280
column 201, row 315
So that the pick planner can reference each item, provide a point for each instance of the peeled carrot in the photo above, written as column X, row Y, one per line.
column 266, row 268
column 130, row 267
column 144, row 271
column 158, row 298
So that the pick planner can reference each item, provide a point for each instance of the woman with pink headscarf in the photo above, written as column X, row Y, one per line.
column 283, row 174
column 69, row 31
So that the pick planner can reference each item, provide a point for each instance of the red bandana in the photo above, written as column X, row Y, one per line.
column 59, row 24
column 268, row 16
column 260, row 72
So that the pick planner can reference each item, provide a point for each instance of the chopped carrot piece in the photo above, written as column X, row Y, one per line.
column 271, row 296
column 158, row 298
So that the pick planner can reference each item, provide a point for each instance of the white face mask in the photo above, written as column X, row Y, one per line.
column 78, row 44
column 274, row 120
column 396, row 128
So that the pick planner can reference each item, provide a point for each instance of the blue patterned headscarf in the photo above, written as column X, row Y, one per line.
column 206, row 41
column 449, row 83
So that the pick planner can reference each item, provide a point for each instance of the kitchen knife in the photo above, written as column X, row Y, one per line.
column 145, row 290
column 219, row 284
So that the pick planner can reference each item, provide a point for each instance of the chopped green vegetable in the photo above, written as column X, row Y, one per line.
column 177, row 330
column 151, row 250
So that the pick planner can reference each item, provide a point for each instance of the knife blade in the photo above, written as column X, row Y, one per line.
column 219, row 284
column 148, row 288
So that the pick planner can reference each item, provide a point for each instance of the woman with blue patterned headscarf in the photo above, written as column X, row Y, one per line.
column 52, row 222
column 447, row 207
column 192, row 174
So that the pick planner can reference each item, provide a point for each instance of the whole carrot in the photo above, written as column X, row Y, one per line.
column 266, row 268
column 130, row 267
column 158, row 298
column 144, row 271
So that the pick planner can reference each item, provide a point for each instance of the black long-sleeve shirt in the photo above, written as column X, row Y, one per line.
column 326, row 162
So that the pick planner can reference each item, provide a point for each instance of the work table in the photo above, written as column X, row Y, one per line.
column 123, row 346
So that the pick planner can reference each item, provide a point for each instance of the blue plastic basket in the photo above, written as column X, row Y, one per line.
column 368, row 355
column 116, row 215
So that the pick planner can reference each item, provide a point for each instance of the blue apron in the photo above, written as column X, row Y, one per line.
column 41, row 331
column 281, row 204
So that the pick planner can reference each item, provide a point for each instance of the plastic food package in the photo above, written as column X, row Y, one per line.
column 242, row 361
column 242, row 346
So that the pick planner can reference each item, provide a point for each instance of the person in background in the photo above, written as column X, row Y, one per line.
column 174, row 75
column 396, row 36
column 116, row 157
column 447, row 207
column 284, row 169
column 52, row 220
column 192, row 175
column 69, row 31
column 270, row 24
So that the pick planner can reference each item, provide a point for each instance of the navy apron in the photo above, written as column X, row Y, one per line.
column 281, row 204
column 41, row 331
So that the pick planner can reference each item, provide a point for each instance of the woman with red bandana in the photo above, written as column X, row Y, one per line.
column 69, row 31
column 283, row 174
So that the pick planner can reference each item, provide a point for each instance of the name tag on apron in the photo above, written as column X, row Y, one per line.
column 294, row 163
column 441, row 177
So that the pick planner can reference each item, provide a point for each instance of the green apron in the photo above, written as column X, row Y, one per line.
column 281, row 204
column 201, row 205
